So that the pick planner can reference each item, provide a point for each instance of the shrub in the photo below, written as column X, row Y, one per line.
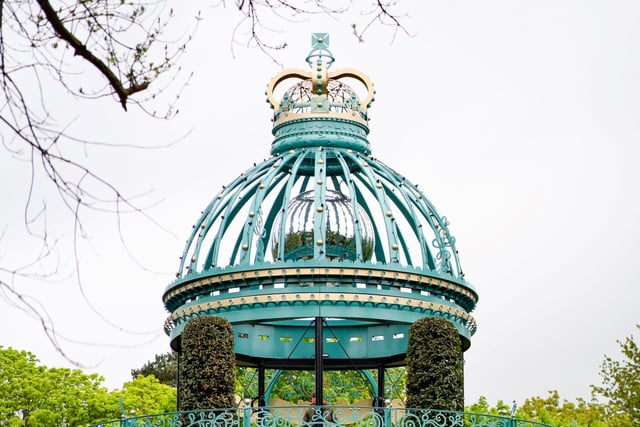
column 207, row 364
column 434, row 366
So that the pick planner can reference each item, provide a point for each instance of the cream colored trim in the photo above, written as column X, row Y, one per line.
column 323, row 271
column 279, row 78
column 321, row 296
column 362, row 78
column 288, row 117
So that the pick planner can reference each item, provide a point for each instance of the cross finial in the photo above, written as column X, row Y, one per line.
column 320, row 41
column 320, row 49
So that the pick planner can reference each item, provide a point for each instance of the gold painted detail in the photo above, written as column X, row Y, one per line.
column 364, row 274
column 319, row 79
column 361, row 299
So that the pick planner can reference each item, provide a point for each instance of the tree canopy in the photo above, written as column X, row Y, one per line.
column 49, row 396
column 32, row 394
column 556, row 412
column 621, row 384
column 551, row 410
column 163, row 367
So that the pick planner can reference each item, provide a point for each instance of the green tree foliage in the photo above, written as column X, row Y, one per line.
column 556, row 412
column 482, row 407
column 207, row 377
column 339, row 386
column 31, row 394
column 347, row 386
column 146, row 395
column 434, row 365
column 551, row 410
column 621, row 385
column 163, row 367
column 34, row 395
column 17, row 368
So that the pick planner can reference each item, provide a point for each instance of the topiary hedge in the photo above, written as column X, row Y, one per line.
column 207, row 364
column 434, row 366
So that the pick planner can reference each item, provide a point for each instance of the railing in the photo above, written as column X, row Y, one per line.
column 318, row 416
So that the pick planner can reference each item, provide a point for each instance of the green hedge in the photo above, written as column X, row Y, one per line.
column 207, row 364
column 434, row 366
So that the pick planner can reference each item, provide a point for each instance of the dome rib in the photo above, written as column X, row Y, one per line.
column 393, row 196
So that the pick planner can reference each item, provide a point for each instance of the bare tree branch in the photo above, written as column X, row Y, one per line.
column 381, row 14
column 81, row 50
column 130, row 50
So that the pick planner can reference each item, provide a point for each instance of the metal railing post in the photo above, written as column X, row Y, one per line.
column 246, row 414
column 387, row 414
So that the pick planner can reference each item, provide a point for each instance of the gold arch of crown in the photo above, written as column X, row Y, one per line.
column 319, row 82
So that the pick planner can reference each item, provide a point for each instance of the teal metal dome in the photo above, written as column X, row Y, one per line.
column 321, row 229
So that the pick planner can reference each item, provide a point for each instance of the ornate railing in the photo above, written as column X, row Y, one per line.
column 336, row 416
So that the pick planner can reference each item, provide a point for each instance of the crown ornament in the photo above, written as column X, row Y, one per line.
column 319, row 93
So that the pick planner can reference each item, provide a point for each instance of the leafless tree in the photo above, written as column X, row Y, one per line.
column 127, row 50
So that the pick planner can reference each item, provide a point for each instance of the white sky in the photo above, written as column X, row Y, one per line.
column 519, row 119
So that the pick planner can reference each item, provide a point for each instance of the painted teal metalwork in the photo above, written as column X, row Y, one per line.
column 321, row 229
column 329, row 416
column 402, row 208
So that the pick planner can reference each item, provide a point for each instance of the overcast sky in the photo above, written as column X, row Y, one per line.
column 519, row 119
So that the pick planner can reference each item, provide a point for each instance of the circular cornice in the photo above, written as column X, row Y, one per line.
column 190, row 287
column 320, row 297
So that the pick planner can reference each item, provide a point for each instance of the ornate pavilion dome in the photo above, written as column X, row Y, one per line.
column 321, row 229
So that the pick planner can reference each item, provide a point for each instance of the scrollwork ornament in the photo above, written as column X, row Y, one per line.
column 410, row 419
column 445, row 265
column 371, row 419
column 271, row 419
column 248, row 379
column 285, row 416
column 259, row 228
